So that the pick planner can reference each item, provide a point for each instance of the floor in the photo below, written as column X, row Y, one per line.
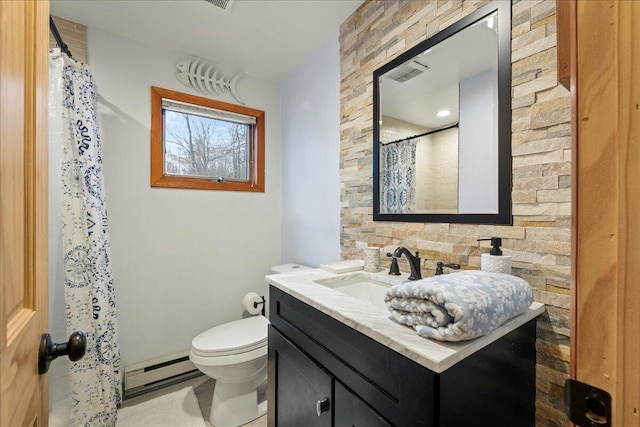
column 185, row 404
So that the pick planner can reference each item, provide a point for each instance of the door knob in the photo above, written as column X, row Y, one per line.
column 322, row 406
column 74, row 348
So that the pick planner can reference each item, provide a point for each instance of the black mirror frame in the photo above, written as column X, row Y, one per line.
column 504, row 121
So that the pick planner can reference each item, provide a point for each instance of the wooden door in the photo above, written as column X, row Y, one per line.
column 23, row 210
column 606, row 301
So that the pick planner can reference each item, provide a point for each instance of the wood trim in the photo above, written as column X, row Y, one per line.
column 596, row 257
column 627, row 406
column 606, row 316
column 565, row 12
column 572, row 31
column 158, row 177
column 41, row 181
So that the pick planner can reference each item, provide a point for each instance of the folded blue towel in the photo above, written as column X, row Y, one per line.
column 459, row 306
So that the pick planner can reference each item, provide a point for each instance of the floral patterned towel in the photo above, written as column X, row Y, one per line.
column 459, row 306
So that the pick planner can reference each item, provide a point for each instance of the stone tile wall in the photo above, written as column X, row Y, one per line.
column 539, row 240
column 438, row 193
column 75, row 37
column 395, row 129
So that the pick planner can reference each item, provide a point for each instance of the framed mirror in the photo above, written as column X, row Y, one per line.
column 442, row 125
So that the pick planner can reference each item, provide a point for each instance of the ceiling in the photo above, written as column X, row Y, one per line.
column 264, row 38
column 443, row 67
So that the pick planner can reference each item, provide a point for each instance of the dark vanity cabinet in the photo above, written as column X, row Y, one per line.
column 324, row 373
column 308, row 386
column 310, row 396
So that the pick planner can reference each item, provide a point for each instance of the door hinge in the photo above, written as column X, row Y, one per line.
column 585, row 405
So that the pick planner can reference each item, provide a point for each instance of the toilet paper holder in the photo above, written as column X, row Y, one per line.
column 256, row 303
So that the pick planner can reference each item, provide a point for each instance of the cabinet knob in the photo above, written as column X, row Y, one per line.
column 322, row 406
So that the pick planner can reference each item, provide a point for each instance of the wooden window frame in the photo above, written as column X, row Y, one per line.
column 256, row 162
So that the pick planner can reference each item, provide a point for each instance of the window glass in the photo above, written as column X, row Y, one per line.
column 205, row 143
column 204, row 147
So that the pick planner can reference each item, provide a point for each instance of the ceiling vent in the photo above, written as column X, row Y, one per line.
column 222, row 4
column 407, row 71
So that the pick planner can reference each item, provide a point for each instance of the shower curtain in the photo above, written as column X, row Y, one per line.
column 88, row 280
column 398, row 166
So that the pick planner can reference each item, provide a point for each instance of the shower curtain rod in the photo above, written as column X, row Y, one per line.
column 56, row 35
column 421, row 134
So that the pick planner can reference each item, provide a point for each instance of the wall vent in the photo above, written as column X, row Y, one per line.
column 157, row 373
column 222, row 4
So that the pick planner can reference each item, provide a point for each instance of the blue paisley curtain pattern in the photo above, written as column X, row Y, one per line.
column 88, row 278
column 398, row 165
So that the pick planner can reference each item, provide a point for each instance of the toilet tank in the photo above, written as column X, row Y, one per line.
column 288, row 268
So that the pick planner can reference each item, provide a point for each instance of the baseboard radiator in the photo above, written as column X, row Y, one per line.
column 157, row 373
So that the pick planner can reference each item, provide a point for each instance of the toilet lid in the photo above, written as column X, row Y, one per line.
column 234, row 337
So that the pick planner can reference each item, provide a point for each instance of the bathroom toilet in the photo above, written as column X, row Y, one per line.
column 235, row 355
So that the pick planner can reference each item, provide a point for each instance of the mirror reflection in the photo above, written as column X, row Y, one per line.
column 437, row 125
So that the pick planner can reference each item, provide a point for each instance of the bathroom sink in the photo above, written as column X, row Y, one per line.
column 364, row 286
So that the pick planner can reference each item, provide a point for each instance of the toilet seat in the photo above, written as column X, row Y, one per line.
column 237, row 337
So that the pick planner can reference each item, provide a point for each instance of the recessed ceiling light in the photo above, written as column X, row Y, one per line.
column 443, row 113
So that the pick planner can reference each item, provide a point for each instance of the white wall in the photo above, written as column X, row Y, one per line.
column 182, row 259
column 310, row 105
column 478, row 152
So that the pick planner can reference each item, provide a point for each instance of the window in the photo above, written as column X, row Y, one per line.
column 204, row 144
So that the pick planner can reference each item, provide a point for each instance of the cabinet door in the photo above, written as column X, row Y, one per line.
column 350, row 411
column 302, row 388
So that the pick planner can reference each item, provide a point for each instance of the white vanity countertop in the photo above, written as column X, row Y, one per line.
column 375, row 322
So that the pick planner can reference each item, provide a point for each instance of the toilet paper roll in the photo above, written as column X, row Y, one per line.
column 495, row 264
column 252, row 302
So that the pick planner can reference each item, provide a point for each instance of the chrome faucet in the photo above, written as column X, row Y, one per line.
column 414, row 261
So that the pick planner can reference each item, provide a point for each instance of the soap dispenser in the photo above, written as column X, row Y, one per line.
column 494, row 261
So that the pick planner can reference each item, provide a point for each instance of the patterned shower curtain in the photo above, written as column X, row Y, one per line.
column 88, row 279
column 398, row 173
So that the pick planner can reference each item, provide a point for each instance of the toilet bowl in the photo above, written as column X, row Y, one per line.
column 235, row 355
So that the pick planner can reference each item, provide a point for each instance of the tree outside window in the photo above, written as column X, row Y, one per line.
column 205, row 144
column 203, row 147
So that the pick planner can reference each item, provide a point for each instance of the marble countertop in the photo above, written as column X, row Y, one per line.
column 375, row 322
